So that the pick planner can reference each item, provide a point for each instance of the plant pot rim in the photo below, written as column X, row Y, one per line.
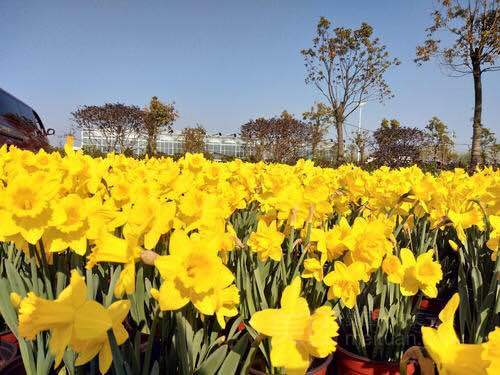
column 365, row 359
column 323, row 365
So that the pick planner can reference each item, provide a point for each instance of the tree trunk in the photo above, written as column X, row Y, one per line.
column 313, row 151
column 151, row 146
column 476, row 125
column 339, row 124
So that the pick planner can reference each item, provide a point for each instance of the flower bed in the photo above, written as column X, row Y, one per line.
column 162, row 266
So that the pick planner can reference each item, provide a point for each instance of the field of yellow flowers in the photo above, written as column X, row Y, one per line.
column 157, row 266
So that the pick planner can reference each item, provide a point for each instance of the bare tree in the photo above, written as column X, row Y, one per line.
column 347, row 67
column 117, row 125
column 474, row 26
column 279, row 139
column 158, row 117
column 397, row 146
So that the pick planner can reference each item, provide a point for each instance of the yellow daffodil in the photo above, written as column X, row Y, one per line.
column 344, row 282
column 368, row 243
column 422, row 273
column 393, row 268
column 87, row 347
column 494, row 240
column 149, row 218
column 266, row 241
column 462, row 220
column 70, row 317
column 108, row 248
column 318, row 240
column 26, row 205
column 452, row 357
column 296, row 335
column 192, row 272
column 338, row 239
column 313, row 268
column 491, row 352
column 227, row 301
column 68, row 225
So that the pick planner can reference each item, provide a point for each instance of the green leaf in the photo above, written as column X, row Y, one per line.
column 196, row 344
column 234, row 327
column 235, row 355
column 108, row 298
column 156, row 369
column 213, row 362
column 248, row 360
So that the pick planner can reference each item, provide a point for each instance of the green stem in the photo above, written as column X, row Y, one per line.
column 48, row 277
column 147, row 357
column 117, row 354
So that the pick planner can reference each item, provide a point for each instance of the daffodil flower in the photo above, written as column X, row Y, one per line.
column 455, row 358
column 296, row 335
column 194, row 272
column 73, row 321
column 422, row 273
column 344, row 282
column 266, row 241
column 313, row 268
column 494, row 240
column 88, row 346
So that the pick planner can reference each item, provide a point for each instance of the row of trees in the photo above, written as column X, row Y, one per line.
column 120, row 126
column 285, row 139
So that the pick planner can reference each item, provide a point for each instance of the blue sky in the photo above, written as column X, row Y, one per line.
column 222, row 62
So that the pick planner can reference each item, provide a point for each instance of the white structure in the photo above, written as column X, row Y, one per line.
column 218, row 145
column 170, row 143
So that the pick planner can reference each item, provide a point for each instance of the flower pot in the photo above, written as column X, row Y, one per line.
column 11, row 362
column 347, row 363
column 318, row 367
column 8, row 336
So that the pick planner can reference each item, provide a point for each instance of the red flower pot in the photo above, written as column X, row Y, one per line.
column 11, row 362
column 8, row 336
column 318, row 367
column 347, row 363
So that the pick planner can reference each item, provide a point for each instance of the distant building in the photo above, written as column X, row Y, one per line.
column 170, row 143
column 219, row 145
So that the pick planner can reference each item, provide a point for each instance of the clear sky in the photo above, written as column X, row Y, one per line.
column 222, row 61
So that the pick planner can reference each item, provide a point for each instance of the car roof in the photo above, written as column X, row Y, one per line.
column 17, row 99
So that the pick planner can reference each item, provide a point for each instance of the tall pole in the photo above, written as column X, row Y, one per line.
column 360, row 109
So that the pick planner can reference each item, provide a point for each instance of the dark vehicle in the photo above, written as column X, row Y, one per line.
column 20, row 125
